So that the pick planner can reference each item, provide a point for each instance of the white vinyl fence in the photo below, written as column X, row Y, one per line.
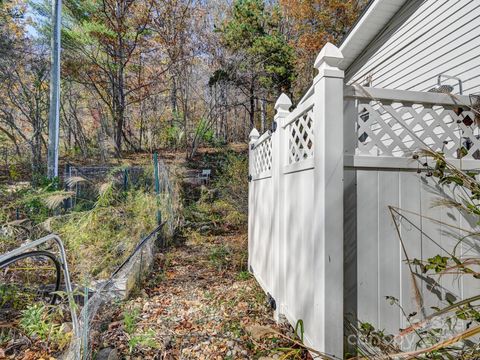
column 332, row 182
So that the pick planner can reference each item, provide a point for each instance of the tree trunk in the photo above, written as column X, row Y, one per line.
column 118, row 132
column 252, row 106
column 119, row 87
column 120, row 105
column 263, row 115
column 36, row 146
column 173, row 100
column 223, row 115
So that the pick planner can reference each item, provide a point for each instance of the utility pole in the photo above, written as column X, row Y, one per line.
column 54, row 116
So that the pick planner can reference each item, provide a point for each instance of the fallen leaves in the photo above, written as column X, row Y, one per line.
column 35, row 355
column 200, row 312
column 258, row 332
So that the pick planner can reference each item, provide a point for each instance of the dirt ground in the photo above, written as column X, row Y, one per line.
column 195, row 309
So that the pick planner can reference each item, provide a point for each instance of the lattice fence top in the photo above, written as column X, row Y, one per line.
column 263, row 156
column 300, row 137
column 399, row 129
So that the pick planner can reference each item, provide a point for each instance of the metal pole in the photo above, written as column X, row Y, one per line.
column 157, row 192
column 155, row 173
column 125, row 180
column 54, row 116
column 85, row 323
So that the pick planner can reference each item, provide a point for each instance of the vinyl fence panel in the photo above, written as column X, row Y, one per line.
column 342, row 216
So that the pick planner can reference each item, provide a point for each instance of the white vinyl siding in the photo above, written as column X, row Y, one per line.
column 439, row 37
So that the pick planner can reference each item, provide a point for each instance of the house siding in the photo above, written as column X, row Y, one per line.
column 436, row 37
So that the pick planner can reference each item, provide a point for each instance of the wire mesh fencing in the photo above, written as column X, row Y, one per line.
column 99, row 295
column 82, row 181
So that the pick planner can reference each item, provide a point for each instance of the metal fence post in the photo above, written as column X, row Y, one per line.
column 66, row 177
column 328, row 196
column 86, row 327
column 157, row 192
column 155, row 173
column 125, row 179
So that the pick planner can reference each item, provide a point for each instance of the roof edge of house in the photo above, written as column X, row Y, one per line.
column 354, row 25
column 360, row 36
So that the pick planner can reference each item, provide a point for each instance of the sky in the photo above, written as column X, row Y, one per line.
column 30, row 13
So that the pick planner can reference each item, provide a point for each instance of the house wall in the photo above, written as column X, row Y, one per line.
column 421, row 42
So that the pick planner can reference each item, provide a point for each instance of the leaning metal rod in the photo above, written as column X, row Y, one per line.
column 66, row 273
column 44, row 254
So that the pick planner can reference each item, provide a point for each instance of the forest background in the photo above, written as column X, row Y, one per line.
column 139, row 75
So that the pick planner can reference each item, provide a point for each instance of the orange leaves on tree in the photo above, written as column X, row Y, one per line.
column 311, row 24
column 314, row 22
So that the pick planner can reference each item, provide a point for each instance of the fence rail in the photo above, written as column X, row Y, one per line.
column 262, row 152
column 396, row 123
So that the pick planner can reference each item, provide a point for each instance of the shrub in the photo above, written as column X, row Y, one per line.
column 233, row 181
column 146, row 339
column 37, row 321
column 220, row 256
column 99, row 239
column 130, row 320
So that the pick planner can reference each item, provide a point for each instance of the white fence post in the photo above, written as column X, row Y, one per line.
column 350, row 140
column 328, row 214
column 279, row 144
column 254, row 135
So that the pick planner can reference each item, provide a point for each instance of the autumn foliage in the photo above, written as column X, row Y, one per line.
column 146, row 74
column 312, row 23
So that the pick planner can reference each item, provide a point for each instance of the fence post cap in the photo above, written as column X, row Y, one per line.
column 330, row 55
column 283, row 102
column 254, row 135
